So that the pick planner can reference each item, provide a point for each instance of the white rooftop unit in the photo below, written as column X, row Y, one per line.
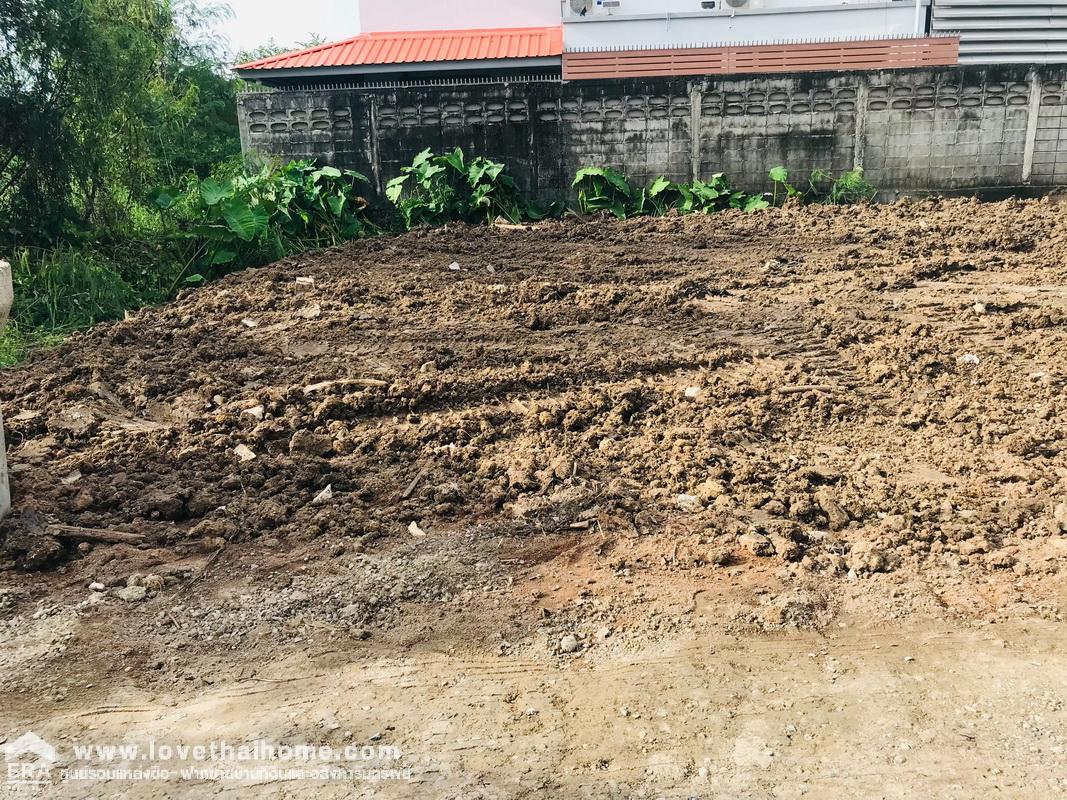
column 1005, row 31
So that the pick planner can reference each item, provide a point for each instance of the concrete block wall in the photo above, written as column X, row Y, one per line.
column 952, row 129
column 1050, row 134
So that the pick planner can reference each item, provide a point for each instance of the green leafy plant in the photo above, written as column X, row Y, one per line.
column 664, row 195
column 436, row 189
column 823, row 187
column 607, row 189
column 754, row 202
column 716, row 194
column 780, row 177
column 250, row 219
column 851, row 187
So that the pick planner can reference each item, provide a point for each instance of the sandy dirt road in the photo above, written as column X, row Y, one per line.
column 922, row 711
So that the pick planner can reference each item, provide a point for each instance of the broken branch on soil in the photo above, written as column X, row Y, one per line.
column 94, row 534
column 803, row 389
column 414, row 484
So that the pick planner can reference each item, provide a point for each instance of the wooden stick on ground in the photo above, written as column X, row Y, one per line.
column 814, row 387
column 414, row 484
column 94, row 535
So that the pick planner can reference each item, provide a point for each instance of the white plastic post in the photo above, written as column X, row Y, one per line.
column 7, row 295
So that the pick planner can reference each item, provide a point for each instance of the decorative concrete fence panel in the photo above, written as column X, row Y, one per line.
column 944, row 129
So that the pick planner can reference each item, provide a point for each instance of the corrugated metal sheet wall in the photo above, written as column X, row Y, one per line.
column 1005, row 31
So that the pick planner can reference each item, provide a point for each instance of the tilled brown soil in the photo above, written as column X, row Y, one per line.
column 843, row 392
column 767, row 505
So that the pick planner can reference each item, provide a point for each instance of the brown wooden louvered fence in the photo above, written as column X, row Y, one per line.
column 930, row 51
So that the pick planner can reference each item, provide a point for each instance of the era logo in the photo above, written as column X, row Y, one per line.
column 29, row 760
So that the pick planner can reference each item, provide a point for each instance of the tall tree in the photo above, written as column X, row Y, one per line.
column 99, row 100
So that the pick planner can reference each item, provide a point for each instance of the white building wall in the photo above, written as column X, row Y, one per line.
column 650, row 23
column 630, row 7
column 411, row 15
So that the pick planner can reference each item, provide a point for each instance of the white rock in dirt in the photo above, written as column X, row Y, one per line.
column 323, row 496
column 256, row 412
column 569, row 644
column 244, row 453
column 250, row 323
column 970, row 358
column 454, row 266
column 96, row 586
column 689, row 502
column 692, row 392
column 303, row 284
column 131, row 594
column 415, row 530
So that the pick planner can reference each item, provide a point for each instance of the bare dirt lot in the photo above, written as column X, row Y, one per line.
column 736, row 506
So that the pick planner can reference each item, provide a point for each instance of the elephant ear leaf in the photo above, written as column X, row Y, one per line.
column 246, row 221
column 755, row 203
column 659, row 186
column 212, row 192
column 395, row 188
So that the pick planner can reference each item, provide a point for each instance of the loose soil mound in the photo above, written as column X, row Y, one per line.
column 585, row 481
column 847, row 390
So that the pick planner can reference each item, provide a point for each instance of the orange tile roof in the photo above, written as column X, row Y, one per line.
column 408, row 47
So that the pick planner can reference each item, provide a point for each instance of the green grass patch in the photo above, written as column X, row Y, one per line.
column 16, row 344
